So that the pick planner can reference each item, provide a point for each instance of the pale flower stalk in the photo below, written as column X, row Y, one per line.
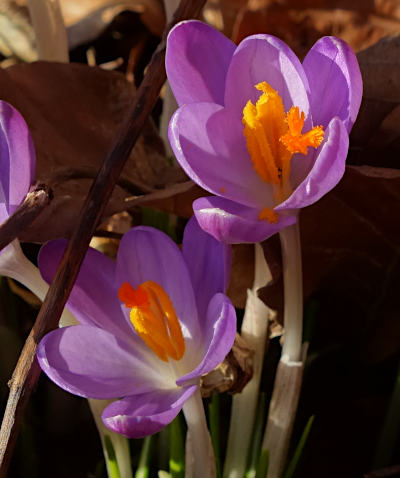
column 169, row 103
column 50, row 31
column 244, row 404
column 199, row 451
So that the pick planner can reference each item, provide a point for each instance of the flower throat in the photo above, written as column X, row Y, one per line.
column 154, row 318
column 272, row 137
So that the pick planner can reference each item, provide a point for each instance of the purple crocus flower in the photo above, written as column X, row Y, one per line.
column 17, row 160
column 149, row 325
column 264, row 133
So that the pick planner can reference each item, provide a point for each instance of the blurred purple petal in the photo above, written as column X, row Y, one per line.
column 17, row 160
column 197, row 61
column 220, row 329
column 335, row 82
column 265, row 58
column 327, row 171
column 209, row 264
column 234, row 223
column 91, row 362
column 141, row 415
column 94, row 298
column 209, row 144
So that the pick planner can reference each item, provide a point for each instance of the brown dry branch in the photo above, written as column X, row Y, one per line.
column 27, row 370
column 34, row 203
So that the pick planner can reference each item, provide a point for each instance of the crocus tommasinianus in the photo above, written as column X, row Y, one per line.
column 17, row 160
column 150, row 325
column 263, row 132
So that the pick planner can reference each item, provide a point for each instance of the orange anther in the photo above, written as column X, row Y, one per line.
column 272, row 138
column 154, row 318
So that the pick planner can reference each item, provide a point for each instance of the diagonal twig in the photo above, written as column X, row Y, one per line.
column 34, row 203
column 27, row 370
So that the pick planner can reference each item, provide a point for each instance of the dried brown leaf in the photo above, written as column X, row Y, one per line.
column 301, row 22
column 73, row 112
column 376, row 134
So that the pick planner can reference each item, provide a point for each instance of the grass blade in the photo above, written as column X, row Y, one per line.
column 299, row 449
column 143, row 468
column 177, row 449
column 214, row 415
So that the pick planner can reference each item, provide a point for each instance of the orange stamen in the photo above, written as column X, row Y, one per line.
column 154, row 318
column 294, row 140
column 272, row 138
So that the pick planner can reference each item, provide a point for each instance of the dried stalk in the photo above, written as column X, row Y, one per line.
column 26, row 213
column 282, row 412
column 27, row 370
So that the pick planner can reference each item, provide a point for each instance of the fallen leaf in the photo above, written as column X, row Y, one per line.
column 301, row 22
column 73, row 112
column 375, row 139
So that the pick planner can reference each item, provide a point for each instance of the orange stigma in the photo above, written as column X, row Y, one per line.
column 154, row 318
column 272, row 138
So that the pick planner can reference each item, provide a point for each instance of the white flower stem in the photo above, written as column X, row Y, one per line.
column 169, row 103
column 119, row 442
column 289, row 374
column 203, row 465
column 293, row 292
column 244, row 404
column 50, row 32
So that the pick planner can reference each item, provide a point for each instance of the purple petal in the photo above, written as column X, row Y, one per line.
column 335, row 81
column 209, row 264
column 266, row 58
column 209, row 144
column 220, row 330
column 234, row 223
column 197, row 60
column 91, row 362
column 94, row 299
column 141, row 415
column 17, row 160
column 327, row 171
column 147, row 254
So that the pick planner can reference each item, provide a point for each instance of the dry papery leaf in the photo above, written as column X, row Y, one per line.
column 301, row 22
column 233, row 373
column 73, row 112
column 351, row 251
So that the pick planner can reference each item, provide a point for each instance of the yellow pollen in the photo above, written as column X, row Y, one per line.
column 272, row 138
column 268, row 214
column 154, row 318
